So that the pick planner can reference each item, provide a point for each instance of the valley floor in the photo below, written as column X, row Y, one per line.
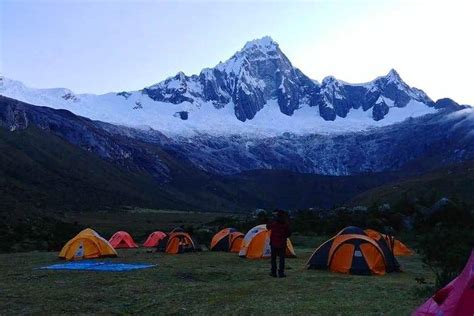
column 204, row 283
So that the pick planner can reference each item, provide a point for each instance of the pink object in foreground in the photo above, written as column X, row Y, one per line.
column 455, row 299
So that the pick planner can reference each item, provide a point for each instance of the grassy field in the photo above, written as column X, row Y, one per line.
column 204, row 283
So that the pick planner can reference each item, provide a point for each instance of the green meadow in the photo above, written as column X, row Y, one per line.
column 206, row 283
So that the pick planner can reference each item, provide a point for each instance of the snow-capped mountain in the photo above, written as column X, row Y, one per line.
column 227, row 135
column 260, row 72
column 380, row 95
column 255, row 92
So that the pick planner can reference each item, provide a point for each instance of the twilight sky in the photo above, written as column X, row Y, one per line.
column 115, row 45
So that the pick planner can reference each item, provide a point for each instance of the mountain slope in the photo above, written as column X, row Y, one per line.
column 417, row 144
column 42, row 171
column 163, row 180
column 256, row 92
column 455, row 181
column 54, row 160
column 270, row 189
column 423, row 143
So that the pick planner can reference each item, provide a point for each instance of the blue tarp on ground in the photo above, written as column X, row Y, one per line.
column 98, row 266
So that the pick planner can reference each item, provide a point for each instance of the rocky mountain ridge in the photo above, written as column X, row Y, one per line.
column 255, row 92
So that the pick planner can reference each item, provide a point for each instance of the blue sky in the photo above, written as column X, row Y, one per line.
column 102, row 46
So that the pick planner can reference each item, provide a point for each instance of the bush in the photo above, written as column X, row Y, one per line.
column 36, row 233
column 445, row 251
column 446, row 238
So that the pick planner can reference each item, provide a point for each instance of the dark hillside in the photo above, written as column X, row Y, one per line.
column 455, row 181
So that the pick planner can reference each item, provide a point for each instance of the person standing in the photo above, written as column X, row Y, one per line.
column 280, row 231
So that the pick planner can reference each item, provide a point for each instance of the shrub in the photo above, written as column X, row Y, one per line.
column 446, row 238
column 445, row 250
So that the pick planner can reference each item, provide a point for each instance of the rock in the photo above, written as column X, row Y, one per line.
column 182, row 115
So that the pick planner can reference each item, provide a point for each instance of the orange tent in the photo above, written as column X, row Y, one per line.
column 228, row 239
column 178, row 242
column 352, row 251
column 122, row 239
column 396, row 246
column 154, row 239
column 87, row 245
column 400, row 249
column 256, row 244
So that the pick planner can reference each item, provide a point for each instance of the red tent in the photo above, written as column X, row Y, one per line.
column 154, row 239
column 122, row 239
column 456, row 298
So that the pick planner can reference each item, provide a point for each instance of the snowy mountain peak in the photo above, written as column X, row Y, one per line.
column 330, row 80
column 264, row 44
column 10, row 84
column 393, row 76
column 253, row 51
column 18, row 90
column 256, row 89
column 181, row 76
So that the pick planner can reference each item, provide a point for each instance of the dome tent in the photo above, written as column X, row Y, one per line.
column 396, row 246
column 386, row 244
column 227, row 239
column 154, row 239
column 256, row 244
column 391, row 263
column 122, row 239
column 177, row 242
column 351, row 251
column 88, row 244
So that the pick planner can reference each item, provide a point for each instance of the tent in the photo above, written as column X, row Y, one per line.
column 228, row 239
column 400, row 249
column 87, row 245
column 178, row 242
column 122, row 239
column 396, row 246
column 178, row 229
column 350, row 251
column 154, row 239
column 256, row 244
column 391, row 263
column 456, row 298
column 385, row 243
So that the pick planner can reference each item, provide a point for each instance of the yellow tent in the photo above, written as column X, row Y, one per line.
column 256, row 244
column 86, row 245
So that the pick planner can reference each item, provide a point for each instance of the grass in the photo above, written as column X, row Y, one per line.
column 204, row 283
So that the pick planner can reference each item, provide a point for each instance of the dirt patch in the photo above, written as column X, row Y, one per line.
column 188, row 277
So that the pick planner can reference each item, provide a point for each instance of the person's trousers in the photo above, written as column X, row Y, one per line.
column 280, row 253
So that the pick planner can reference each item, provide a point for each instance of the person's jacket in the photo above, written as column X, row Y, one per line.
column 280, row 231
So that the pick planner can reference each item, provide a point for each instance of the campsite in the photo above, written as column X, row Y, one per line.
column 152, row 261
column 263, row 157
column 203, row 282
